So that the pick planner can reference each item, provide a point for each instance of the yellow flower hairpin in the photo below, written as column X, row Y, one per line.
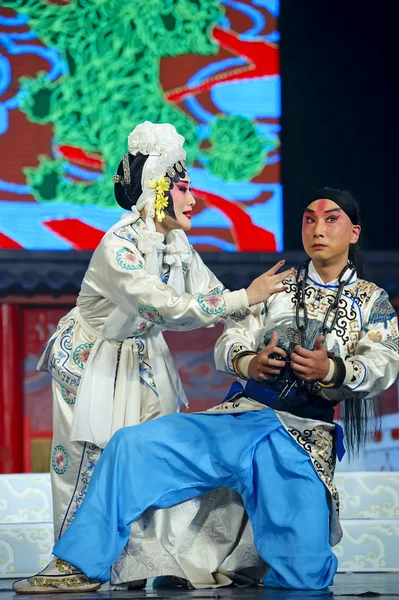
column 161, row 201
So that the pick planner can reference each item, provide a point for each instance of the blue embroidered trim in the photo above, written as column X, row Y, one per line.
column 90, row 458
column 56, row 363
column 73, row 495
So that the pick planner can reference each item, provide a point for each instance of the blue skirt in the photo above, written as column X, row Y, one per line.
column 172, row 459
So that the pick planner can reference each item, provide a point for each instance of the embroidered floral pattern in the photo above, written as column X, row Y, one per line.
column 81, row 354
column 212, row 303
column 60, row 460
column 151, row 314
column 128, row 260
column 68, row 396
column 141, row 328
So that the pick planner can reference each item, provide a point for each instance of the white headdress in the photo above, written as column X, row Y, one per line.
column 164, row 148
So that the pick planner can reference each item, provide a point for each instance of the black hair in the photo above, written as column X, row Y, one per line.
column 347, row 201
column 127, row 195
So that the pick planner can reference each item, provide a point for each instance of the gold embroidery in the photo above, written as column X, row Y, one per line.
column 375, row 336
column 64, row 567
column 75, row 581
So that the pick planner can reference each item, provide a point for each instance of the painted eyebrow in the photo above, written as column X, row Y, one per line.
column 330, row 210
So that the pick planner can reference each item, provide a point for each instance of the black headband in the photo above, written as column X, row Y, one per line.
column 343, row 199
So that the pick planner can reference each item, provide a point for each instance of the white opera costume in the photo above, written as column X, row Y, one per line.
column 209, row 540
column 110, row 365
column 365, row 336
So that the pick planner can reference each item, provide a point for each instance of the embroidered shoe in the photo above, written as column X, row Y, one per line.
column 58, row 577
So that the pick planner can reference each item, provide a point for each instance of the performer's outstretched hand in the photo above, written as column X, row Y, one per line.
column 262, row 367
column 311, row 365
column 264, row 286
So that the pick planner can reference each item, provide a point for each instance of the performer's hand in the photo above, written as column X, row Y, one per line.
column 262, row 367
column 311, row 365
column 264, row 286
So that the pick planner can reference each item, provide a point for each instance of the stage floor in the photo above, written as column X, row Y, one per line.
column 347, row 585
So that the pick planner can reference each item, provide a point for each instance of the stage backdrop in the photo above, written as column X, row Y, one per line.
column 77, row 75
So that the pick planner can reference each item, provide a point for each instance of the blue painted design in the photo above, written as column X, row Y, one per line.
column 232, row 99
column 60, row 460
column 82, row 173
column 15, row 20
column 5, row 74
column 15, row 188
column 272, row 6
column 256, row 16
column 58, row 67
column 212, row 241
column 192, row 103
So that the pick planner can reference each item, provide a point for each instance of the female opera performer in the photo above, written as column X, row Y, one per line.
column 330, row 337
column 110, row 365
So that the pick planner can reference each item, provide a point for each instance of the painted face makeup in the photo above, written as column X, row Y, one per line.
column 183, row 203
column 327, row 232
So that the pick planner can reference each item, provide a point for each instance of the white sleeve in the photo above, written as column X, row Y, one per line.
column 199, row 278
column 117, row 272
column 239, row 336
column 375, row 365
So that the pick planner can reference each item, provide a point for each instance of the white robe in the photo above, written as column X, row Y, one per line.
column 110, row 365
column 209, row 540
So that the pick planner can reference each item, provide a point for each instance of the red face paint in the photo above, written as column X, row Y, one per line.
column 321, row 207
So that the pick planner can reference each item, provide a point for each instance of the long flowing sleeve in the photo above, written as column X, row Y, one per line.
column 117, row 272
column 239, row 336
column 375, row 365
